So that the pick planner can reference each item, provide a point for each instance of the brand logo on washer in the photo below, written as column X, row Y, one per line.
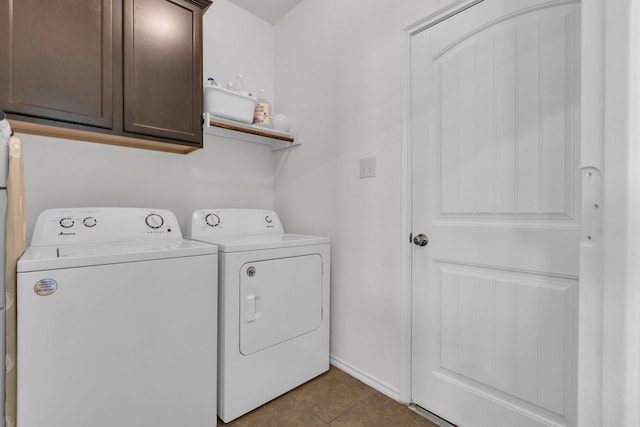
column 45, row 287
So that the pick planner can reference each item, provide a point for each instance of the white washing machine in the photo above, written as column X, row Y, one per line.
column 273, row 306
column 117, row 321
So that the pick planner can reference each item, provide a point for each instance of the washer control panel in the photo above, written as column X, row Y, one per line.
column 205, row 222
column 104, row 225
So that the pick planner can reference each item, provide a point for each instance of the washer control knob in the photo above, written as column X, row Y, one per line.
column 212, row 220
column 66, row 222
column 89, row 221
column 154, row 220
column 268, row 219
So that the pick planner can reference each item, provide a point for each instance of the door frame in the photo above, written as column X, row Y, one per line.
column 609, row 321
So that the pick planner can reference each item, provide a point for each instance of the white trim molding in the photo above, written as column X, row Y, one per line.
column 621, row 220
column 589, row 375
column 372, row 382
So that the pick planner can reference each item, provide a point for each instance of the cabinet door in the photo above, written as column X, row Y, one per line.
column 58, row 60
column 163, row 69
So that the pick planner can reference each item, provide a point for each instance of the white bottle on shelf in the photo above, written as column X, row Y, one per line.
column 240, row 85
column 263, row 114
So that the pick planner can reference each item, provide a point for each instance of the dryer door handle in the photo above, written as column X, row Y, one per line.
column 253, row 308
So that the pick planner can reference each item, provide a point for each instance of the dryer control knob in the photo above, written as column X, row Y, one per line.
column 66, row 222
column 89, row 221
column 212, row 220
column 154, row 220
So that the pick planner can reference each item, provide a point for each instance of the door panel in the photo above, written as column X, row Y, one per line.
column 163, row 69
column 483, row 315
column 47, row 79
column 494, row 138
column 498, row 154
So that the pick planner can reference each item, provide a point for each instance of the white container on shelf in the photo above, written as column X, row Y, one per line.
column 228, row 104
column 263, row 114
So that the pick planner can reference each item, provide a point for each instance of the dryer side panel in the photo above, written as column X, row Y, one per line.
column 280, row 299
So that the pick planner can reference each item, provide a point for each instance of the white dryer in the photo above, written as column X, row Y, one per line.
column 117, row 320
column 273, row 306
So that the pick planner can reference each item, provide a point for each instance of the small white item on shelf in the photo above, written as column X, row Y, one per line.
column 240, row 85
column 281, row 123
column 229, row 104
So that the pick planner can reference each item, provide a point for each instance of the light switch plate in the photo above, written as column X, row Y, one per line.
column 368, row 167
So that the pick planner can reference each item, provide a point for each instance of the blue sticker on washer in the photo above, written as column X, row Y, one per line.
column 45, row 287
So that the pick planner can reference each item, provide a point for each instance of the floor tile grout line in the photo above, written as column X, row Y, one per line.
column 367, row 395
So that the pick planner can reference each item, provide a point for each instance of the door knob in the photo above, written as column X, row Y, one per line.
column 421, row 240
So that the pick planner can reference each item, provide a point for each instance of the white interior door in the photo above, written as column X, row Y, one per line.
column 494, row 140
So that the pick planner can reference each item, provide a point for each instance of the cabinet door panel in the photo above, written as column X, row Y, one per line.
column 163, row 69
column 47, row 79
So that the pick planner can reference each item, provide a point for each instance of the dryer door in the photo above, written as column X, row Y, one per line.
column 280, row 299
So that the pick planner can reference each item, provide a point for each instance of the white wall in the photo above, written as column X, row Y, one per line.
column 237, row 42
column 226, row 173
column 339, row 77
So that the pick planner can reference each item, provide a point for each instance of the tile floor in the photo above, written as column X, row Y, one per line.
column 333, row 399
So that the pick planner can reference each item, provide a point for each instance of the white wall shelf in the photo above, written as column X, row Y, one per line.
column 232, row 129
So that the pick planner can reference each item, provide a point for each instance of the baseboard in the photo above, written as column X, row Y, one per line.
column 372, row 382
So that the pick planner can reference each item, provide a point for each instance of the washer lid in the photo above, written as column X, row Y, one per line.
column 68, row 256
column 248, row 242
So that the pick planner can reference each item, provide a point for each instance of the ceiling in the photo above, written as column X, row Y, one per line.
column 271, row 10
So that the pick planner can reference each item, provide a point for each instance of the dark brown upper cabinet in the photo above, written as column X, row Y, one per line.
column 122, row 70
column 58, row 60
